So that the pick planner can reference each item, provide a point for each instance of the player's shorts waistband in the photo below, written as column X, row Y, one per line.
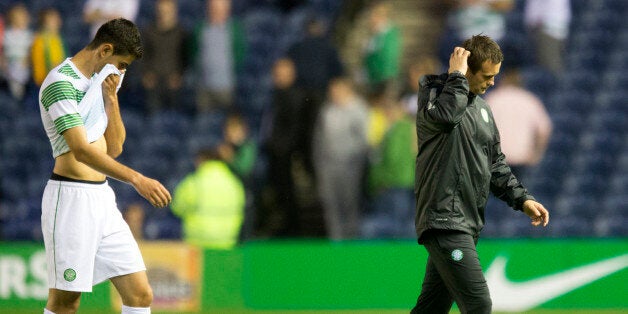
column 59, row 178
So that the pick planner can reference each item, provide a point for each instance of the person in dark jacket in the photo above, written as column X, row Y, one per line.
column 459, row 161
column 284, row 148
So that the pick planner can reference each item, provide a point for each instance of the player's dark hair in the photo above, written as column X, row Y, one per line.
column 122, row 34
column 482, row 49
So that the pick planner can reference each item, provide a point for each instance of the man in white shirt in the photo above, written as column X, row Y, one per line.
column 85, row 236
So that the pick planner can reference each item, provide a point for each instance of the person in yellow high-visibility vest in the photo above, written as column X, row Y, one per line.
column 210, row 202
column 48, row 49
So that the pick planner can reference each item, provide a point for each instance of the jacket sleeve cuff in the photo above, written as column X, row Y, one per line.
column 458, row 73
column 521, row 200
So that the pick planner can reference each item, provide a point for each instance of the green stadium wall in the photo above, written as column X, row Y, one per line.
column 358, row 275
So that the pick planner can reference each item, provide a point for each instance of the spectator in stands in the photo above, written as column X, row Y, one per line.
column 548, row 23
column 377, row 121
column 421, row 66
column 134, row 216
column 164, row 58
column 340, row 149
column 315, row 58
column 210, row 202
column 18, row 38
column 391, row 178
column 218, row 49
column 471, row 17
column 97, row 12
column 285, row 146
column 48, row 49
column 523, row 123
column 382, row 53
column 317, row 62
column 239, row 150
column 2, row 60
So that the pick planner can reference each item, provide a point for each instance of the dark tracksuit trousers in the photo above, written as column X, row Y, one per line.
column 453, row 273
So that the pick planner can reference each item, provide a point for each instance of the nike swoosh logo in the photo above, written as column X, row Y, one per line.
column 522, row 296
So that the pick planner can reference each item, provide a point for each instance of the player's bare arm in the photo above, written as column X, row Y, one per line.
column 115, row 134
column 93, row 155
column 537, row 212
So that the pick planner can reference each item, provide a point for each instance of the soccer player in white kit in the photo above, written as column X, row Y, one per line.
column 86, row 239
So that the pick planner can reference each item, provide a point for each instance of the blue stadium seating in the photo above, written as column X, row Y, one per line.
column 167, row 227
column 538, row 80
column 612, row 224
column 572, row 226
column 583, row 178
column 615, row 77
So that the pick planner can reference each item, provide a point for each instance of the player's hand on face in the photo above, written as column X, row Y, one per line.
column 537, row 212
column 458, row 60
column 153, row 191
column 110, row 86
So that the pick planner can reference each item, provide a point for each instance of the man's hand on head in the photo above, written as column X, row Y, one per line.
column 458, row 60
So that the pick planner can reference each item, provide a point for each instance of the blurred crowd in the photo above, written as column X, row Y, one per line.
column 337, row 144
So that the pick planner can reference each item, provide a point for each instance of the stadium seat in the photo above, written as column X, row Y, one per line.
column 612, row 101
column 609, row 126
column 586, row 161
column 544, row 187
column 576, row 79
column 22, row 220
column 125, row 194
column 517, row 226
column 588, row 59
column 611, row 225
column 575, row 101
column 570, row 226
column 167, row 227
column 28, row 230
column 262, row 21
column 134, row 123
column 616, row 77
column 591, row 40
column 208, row 124
column 170, row 123
column 598, row 148
column 197, row 142
column 618, row 182
column 584, row 182
column 614, row 204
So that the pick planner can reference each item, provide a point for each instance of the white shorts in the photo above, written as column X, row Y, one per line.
column 87, row 240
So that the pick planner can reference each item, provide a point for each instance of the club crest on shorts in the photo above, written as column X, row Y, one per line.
column 456, row 255
column 69, row 274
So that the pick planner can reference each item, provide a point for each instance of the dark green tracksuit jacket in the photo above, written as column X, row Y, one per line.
column 459, row 158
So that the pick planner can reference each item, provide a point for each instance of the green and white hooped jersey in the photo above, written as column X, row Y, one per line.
column 64, row 104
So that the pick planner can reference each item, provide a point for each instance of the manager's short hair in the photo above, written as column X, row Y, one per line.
column 482, row 49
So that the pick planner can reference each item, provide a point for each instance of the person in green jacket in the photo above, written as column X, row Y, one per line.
column 217, row 49
column 391, row 179
column 239, row 149
column 210, row 203
column 383, row 51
